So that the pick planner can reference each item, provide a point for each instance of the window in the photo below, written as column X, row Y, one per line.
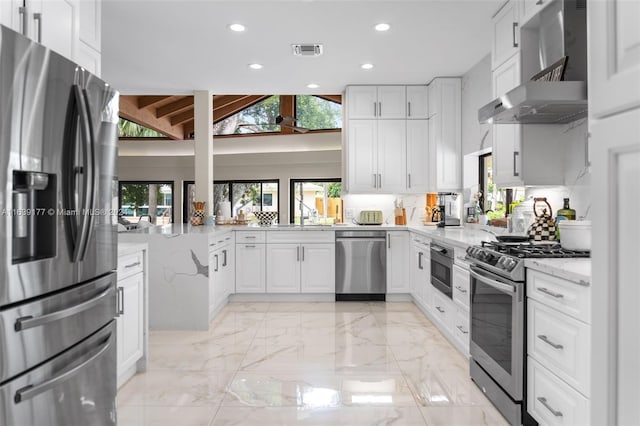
column 316, row 113
column 129, row 129
column 231, row 197
column 150, row 201
column 315, row 201
column 258, row 118
column 486, row 181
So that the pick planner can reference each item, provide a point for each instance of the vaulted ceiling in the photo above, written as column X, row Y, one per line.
column 173, row 115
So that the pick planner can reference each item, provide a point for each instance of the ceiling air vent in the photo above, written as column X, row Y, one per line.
column 306, row 49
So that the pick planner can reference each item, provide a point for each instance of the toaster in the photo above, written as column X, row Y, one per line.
column 370, row 217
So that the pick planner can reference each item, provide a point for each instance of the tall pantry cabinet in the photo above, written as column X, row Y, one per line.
column 614, row 119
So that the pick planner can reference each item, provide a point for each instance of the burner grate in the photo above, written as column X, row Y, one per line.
column 535, row 250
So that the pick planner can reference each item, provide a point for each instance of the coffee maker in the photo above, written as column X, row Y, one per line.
column 448, row 212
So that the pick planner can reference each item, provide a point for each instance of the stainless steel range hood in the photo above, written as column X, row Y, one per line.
column 562, row 31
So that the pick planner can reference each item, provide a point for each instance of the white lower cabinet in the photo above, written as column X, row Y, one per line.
column 398, row 268
column 462, row 328
column 131, row 318
column 130, row 322
column 250, row 268
column 221, row 271
column 443, row 311
column 551, row 401
column 300, row 268
column 419, row 270
column 558, row 349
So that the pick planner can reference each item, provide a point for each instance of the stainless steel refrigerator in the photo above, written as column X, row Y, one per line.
column 58, row 135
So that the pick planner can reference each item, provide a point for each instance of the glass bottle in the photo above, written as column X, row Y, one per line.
column 565, row 213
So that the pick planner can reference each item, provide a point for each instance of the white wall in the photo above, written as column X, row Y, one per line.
column 281, row 165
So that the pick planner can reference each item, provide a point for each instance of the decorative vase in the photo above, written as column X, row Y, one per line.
column 198, row 213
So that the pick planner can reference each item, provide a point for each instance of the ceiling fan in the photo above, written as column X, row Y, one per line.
column 282, row 121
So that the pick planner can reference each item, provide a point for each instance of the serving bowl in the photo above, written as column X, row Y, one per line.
column 265, row 218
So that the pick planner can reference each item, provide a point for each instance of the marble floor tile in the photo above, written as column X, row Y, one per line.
column 133, row 415
column 345, row 416
column 314, row 389
column 325, row 363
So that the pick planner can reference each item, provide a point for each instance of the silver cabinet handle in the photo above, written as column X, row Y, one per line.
column 462, row 330
column 120, row 301
column 215, row 269
column 380, row 109
column 250, row 246
column 375, row 180
column 539, row 2
column 303, row 253
column 250, row 237
column 38, row 18
column 550, row 293
column 515, row 43
column 379, row 180
column 461, row 290
column 24, row 21
column 224, row 257
column 515, row 161
column 442, row 311
column 212, row 244
column 131, row 265
column 544, row 402
column 374, row 110
column 388, row 241
column 549, row 342
column 409, row 175
column 420, row 254
column 31, row 391
column 298, row 254
column 409, row 112
column 24, row 323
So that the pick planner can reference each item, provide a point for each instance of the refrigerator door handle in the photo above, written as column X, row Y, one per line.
column 32, row 391
column 27, row 322
column 89, row 178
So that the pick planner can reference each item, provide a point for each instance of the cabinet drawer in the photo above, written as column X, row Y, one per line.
column 300, row 237
column 442, row 308
column 560, row 343
column 461, row 327
column 568, row 297
column 461, row 286
column 551, row 401
column 251, row 236
column 130, row 264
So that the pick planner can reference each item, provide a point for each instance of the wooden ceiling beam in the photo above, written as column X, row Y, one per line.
column 181, row 117
column 174, row 107
column 187, row 129
column 129, row 110
column 287, row 109
column 239, row 105
column 147, row 101
column 221, row 101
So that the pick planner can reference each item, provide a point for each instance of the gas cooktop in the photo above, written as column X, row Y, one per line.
column 507, row 259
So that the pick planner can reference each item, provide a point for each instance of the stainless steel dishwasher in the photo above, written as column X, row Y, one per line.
column 361, row 265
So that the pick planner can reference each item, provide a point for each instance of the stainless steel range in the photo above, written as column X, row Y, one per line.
column 498, row 328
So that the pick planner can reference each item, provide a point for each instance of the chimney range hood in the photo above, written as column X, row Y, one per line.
column 561, row 32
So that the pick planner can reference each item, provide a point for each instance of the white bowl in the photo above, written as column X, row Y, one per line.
column 575, row 234
column 266, row 218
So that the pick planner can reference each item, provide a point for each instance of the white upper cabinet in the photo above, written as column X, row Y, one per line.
column 530, row 8
column 614, row 63
column 417, row 155
column 507, row 138
column 362, row 156
column 91, row 23
column 417, row 102
column 376, row 102
column 57, row 26
column 505, row 34
column 392, row 102
column 9, row 14
column 445, row 139
column 392, row 156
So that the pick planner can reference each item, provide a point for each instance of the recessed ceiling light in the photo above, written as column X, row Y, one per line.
column 237, row 28
column 255, row 66
column 366, row 66
column 382, row 27
column 312, row 86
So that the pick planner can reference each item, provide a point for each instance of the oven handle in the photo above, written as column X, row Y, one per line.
column 493, row 283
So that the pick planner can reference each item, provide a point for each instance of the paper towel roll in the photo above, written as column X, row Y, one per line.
column 224, row 209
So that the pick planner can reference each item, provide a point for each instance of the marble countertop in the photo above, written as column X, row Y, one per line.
column 577, row 270
column 128, row 248
column 180, row 229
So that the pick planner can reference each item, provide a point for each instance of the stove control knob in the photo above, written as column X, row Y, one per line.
column 506, row 263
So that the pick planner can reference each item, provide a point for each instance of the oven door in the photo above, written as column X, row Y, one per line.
column 441, row 268
column 497, row 329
